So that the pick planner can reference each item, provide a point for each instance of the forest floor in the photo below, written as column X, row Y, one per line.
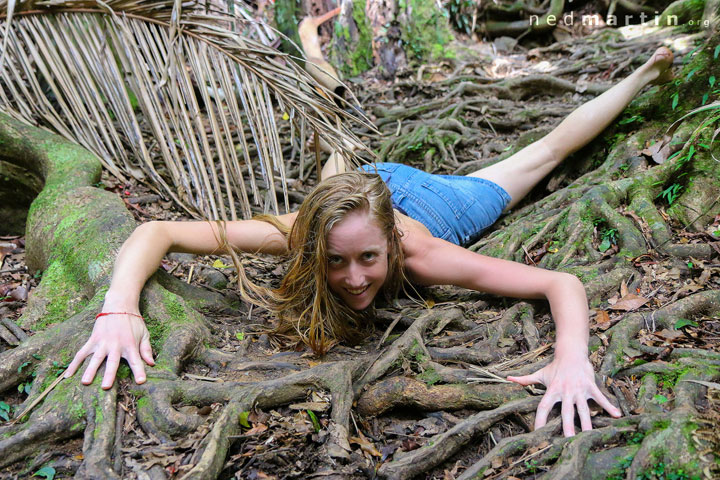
column 283, row 442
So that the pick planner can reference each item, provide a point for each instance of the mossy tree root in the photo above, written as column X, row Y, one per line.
column 707, row 302
column 73, row 233
column 334, row 377
column 511, row 446
column 409, row 392
column 443, row 446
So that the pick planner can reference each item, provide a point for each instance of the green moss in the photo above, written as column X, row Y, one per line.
column 618, row 472
column 287, row 17
column 426, row 34
column 416, row 353
column 143, row 403
column 353, row 56
column 429, row 376
column 98, row 416
column 160, row 329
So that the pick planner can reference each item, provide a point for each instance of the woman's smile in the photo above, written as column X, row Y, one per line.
column 357, row 259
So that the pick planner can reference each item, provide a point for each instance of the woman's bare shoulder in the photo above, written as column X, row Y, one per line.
column 413, row 234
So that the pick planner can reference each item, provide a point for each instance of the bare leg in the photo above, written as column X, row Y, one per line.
column 519, row 173
column 333, row 165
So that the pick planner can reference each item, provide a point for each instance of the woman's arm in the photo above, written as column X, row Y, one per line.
column 569, row 378
column 125, row 335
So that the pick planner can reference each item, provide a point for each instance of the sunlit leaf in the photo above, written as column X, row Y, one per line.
column 683, row 322
column 47, row 472
column 243, row 419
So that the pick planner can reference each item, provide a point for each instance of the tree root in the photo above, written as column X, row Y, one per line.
column 446, row 444
column 409, row 392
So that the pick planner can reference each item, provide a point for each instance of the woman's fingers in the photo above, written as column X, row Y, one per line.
column 584, row 413
column 531, row 379
column 111, row 365
column 543, row 410
column 77, row 360
column 146, row 350
column 136, row 365
column 568, row 416
column 601, row 400
column 92, row 368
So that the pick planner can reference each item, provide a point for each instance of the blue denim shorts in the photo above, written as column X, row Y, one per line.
column 454, row 208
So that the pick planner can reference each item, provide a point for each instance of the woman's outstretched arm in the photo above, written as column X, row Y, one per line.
column 123, row 334
column 569, row 378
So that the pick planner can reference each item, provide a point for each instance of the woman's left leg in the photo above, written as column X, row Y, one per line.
column 519, row 173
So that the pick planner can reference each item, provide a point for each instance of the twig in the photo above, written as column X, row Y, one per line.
column 389, row 329
column 39, row 398
column 489, row 375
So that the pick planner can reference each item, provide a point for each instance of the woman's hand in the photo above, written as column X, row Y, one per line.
column 569, row 380
column 114, row 337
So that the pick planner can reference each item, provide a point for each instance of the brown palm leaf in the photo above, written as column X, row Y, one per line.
column 181, row 95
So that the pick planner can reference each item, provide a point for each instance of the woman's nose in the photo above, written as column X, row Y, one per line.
column 355, row 275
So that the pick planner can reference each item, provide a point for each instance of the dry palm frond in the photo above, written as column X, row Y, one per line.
column 181, row 95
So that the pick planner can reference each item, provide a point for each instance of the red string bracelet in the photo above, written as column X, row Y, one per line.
column 119, row 313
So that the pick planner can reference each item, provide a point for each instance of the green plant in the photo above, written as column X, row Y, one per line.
column 634, row 118
column 531, row 466
column 681, row 323
column 47, row 472
column 671, row 193
column 609, row 237
column 461, row 14
column 314, row 419
column 4, row 411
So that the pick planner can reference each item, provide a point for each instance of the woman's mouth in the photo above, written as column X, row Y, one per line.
column 357, row 291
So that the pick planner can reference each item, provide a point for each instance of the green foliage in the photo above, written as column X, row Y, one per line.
column 660, row 399
column 618, row 472
column 4, row 411
column 243, row 419
column 461, row 14
column 671, row 193
column 634, row 118
column 426, row 35
column 684, row 323
column 47, row 472
column 429, row 376
column 314, row 419
column 531, row 466
column 660, row 471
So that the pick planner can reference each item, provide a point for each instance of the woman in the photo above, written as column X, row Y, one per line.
column 346, row 239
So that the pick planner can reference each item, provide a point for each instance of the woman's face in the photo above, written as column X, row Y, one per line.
column 357, row 259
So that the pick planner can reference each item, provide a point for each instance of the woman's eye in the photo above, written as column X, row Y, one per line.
column 334, row 260
column 368, row 256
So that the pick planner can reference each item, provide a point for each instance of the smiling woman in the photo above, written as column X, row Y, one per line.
column 357, row 259
column 347, row 243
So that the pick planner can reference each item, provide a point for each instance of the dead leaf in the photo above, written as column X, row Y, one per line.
column 410, row 444
column 5, row 248
column 497, row 462
column 623, row 289
column 366, row 445
column 629, row 303
column 667, row 334
column 602, row 316
column 259, row 428
column 659, row 151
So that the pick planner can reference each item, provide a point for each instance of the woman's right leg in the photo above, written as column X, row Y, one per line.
column 519, row 173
